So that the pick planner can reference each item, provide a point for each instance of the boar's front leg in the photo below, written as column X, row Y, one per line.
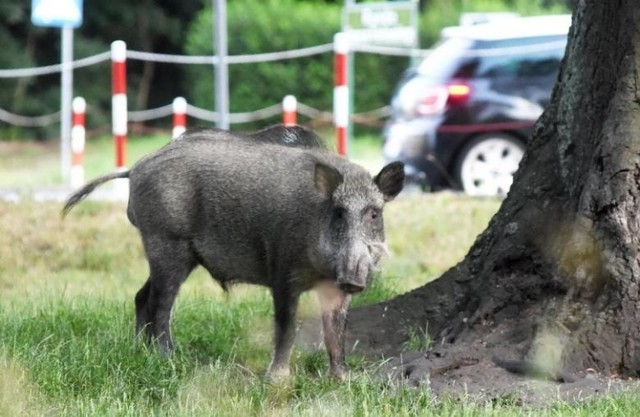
column 335, row 304
column 285, row 303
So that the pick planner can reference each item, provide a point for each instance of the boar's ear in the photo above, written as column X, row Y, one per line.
column 390, row 180
column 326, row 179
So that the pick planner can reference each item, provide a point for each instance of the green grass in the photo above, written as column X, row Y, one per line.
column 66, row 321
column 66, row 325
column 35, row 164
column 77, row 357
column 26, row 165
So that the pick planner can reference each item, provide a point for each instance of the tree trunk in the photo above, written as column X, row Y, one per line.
column 554, row 278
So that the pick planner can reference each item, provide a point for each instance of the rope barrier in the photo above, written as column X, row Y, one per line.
column 198, row 113
column 265, row 57
column 150, row 114
column 275, row 56
column 232, row 59
column 52, row 69
column 29, row 121
column 312, row 113
column 271, row 111
column 253, row 116
column 169, row 59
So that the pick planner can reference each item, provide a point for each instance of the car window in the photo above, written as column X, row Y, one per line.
column 525, row 57
column 444, row 60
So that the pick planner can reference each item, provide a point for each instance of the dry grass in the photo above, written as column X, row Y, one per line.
column 96, row 249
column 18, row 396
column 428, row 234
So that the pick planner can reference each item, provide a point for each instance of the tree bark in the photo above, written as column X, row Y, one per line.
column 554, row 277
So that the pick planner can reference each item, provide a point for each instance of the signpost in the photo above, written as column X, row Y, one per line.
column 67, row 15
column 382, row 23
column 392, row 23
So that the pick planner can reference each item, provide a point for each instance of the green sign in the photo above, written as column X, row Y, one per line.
column 386, row 23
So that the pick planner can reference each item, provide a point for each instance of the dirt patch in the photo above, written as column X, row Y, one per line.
column 481, row 380
column 478, row 328
column 467, row 369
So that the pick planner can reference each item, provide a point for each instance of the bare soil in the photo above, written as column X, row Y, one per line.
column 467, row 369
column 480, row 380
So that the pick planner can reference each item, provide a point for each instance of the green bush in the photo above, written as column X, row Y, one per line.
column 271, row 26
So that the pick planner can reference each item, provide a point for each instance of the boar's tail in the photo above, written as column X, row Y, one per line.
column 83, row 192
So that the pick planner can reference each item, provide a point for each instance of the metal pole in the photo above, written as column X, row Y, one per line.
column 66, row 94
column 221, row 70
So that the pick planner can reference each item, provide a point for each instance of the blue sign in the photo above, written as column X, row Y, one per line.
column 56, row 13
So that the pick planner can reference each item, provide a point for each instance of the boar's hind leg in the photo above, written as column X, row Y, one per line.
column 334, row 319
column 285, row 306
column 170, row 263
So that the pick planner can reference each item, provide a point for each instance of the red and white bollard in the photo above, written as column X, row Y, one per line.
column 289, row 110
column 119, row 101
column 341, row 91
column 79, row 107
column 179, row 116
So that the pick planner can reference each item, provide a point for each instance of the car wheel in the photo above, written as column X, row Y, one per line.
column 486, row 165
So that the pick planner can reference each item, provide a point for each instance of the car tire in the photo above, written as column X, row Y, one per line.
column 486, row 165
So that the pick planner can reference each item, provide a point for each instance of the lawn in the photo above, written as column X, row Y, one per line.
column 35, row 164
column 28, row 165
column 66, row 321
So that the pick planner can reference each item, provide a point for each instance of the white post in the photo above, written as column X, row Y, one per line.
column 289, row 110
column 179, row 116
column 78, row 142
column 341, row 110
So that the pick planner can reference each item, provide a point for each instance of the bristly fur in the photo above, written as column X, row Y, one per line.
column 273, row 208
column 88, row 188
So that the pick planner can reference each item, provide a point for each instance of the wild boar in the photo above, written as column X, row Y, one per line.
column 271, row 208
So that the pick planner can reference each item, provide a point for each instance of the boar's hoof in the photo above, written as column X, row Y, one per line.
column 165, row 350
column 350, row 288
column 339, row 373
column 278, row 374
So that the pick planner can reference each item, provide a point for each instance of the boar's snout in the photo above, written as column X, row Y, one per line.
column 355, row 274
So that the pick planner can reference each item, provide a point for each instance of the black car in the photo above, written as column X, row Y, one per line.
column 462, row 117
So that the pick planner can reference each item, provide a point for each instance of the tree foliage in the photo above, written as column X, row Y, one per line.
column 158, row 26
column 184, row 27
column 274, row 26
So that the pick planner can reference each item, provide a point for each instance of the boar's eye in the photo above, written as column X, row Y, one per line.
column 372, row 213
